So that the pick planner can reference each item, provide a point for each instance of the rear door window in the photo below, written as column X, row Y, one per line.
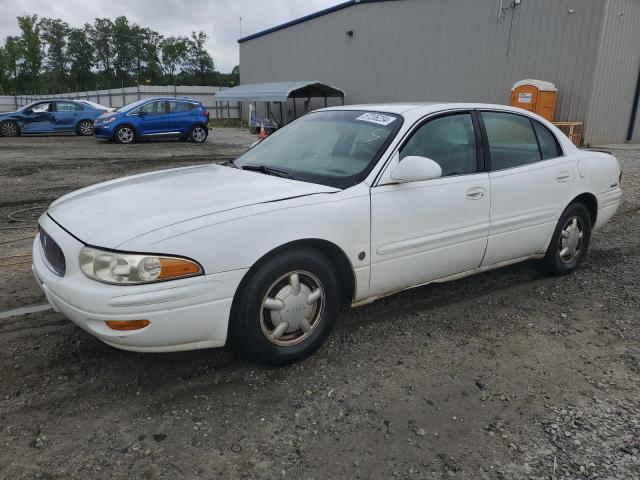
column 177, row 107
column 512, row 141
column 66, row 107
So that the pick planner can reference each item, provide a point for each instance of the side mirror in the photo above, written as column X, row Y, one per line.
column 416, row 169
column 28, row 111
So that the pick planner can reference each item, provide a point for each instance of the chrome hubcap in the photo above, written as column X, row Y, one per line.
column 571, row 239
column 8, row 129
column 199, row 134
column 292, row 308
column 86, row 128
column 125, row 135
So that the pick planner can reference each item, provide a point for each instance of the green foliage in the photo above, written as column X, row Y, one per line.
column 49, row 55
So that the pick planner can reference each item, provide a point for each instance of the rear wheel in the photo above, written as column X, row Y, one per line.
column 125, row 134
column 198, row 134
column 9, row 129
column 287, row 308
column 570, row 240
column 85, row 128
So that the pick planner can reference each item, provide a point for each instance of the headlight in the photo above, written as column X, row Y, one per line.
column 131, row 269
column 109, row 120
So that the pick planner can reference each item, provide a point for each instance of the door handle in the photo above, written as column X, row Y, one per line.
column 563, row 176
column 475, row 193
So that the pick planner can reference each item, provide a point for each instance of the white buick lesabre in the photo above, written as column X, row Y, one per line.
column 338, row 208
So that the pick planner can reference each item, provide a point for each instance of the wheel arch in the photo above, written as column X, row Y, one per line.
column 14, row 121
column 124, row 124
column 338, row 258
column 590, row 201
column 82, row 120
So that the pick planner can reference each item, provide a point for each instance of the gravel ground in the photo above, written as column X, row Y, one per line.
column 505, row 375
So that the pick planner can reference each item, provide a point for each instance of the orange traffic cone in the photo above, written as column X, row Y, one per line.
column 263, row 133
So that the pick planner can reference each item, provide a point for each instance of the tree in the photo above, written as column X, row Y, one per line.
column 124, row 40
column 101, row 36
column 31, row 50
column 80, row 55
column 54, row 34
column 174, row 52
column 198, row 61
column 12, row 53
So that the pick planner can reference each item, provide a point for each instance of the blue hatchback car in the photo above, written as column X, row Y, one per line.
column 155, row 118
column 51, row 116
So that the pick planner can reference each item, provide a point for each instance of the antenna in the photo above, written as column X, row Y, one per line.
column 240, row 18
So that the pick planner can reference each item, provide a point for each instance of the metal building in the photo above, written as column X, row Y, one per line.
column 466, row 50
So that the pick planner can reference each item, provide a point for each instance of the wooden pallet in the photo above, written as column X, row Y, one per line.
column 573, row 130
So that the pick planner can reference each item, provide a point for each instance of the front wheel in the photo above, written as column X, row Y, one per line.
column 85, row 128
column 9, row 129
column 198, row 134
column 570, row 240
column 287, row 308
column 125, row 134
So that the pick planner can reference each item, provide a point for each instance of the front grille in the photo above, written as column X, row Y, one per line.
column 53, row 253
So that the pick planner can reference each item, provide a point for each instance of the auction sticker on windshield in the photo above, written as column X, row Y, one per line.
column 378, row 118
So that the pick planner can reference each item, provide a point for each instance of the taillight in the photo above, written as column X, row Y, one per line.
column 206, row 114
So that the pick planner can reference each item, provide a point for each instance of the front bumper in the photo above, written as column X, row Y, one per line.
column 184, row 314
column 103, row 130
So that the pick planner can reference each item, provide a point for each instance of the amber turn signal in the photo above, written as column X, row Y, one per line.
column 174, row 267
column 126, row 325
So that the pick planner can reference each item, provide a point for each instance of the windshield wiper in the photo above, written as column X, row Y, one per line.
column 267, row 170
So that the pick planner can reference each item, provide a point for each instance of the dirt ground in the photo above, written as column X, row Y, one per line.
column 507, row 375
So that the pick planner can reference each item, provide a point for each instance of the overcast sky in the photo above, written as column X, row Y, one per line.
column 218, row 18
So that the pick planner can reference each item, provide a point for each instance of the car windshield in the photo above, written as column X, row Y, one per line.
column 336, row 148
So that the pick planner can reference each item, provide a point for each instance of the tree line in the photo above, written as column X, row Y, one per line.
column 49, row 55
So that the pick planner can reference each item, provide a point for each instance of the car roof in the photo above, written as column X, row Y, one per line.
column 421, row 108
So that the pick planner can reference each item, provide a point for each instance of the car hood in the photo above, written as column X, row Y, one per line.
column 112, row 213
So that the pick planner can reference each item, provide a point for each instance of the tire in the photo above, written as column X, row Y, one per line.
column 9, row 129
column 570, row 241
column 125, row 134
column 85, row 128
column 268, row 318
column 198, row 134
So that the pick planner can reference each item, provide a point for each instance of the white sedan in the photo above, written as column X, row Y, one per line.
column 341, row 207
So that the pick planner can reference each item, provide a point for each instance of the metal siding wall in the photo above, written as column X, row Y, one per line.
column 616, row 75
column 431, row 50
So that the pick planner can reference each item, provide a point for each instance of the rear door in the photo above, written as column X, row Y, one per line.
column 181, row 116
column 66, row 116
column 153, row 118
column 531, row 181
column 39, row 118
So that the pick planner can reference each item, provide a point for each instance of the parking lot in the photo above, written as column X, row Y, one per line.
column 509, row 374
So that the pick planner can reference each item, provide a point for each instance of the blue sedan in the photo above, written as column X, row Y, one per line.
column 51, row 116
column 155, row 118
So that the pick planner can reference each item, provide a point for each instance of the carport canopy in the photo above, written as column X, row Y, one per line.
column 278, row 91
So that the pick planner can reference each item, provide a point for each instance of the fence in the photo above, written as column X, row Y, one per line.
column 118, row 97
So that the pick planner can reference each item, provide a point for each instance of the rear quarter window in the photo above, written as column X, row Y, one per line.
column 549, row 146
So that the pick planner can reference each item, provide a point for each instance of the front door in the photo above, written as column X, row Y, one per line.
column 154, row 120
column 39, row 118
column 426, row 230
column 530, row 185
